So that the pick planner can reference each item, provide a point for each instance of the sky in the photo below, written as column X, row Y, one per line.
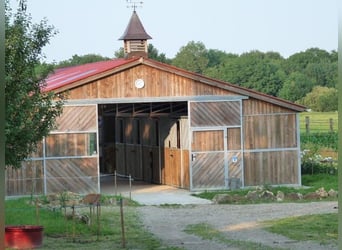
column 233, row 26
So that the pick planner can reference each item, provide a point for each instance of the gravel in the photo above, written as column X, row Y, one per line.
column 236, row 222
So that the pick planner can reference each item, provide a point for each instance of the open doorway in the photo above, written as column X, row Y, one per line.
column 147, row 141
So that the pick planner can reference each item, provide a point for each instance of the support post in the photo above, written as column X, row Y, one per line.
column 307, row 124
column 115, row 184
column 331, row 123
column 122, row 224
column 130, row 187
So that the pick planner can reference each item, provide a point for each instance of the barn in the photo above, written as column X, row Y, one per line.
column 160, row 124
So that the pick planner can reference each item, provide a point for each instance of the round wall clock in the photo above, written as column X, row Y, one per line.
column 139, row 83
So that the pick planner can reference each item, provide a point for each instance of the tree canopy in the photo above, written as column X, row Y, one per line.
column 30, row 112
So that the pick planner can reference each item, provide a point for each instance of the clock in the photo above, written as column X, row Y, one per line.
column 139, row 83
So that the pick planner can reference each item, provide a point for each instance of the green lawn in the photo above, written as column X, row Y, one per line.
column 62, row 233
column 319, row 121
column 321, row 228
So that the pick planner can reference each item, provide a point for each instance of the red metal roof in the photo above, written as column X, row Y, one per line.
column 64, row 76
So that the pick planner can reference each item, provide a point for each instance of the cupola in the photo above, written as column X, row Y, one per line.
column 135, row 38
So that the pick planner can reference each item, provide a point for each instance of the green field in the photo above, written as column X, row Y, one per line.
column 319, row 121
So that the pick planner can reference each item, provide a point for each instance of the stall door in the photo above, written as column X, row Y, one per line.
column 216, row 150
column 208, row 159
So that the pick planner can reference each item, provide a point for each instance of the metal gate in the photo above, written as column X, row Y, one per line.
column 216, row 145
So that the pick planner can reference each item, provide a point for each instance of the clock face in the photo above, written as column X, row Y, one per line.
column 139, row 83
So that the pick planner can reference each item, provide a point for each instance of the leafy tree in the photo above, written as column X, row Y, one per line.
column 299, row 61
column 154, row 54
column 30, row 112
column 295, row 87
column 79, row 60
column 120, row 53
column 321, row 99
column 192, row 57
column 254, row 70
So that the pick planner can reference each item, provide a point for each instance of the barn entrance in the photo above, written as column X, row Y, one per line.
column 146, row 141
column 216, row 148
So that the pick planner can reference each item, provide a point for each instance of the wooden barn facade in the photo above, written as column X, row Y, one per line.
column 163, row 125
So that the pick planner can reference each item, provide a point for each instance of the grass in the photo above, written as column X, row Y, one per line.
column 60, row 233
column 207, row 232
column 322, row 228
column 319, row 121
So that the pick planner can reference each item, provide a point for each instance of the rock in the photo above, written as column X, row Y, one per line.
column 294, row 196
column 222, row 198
column 252, row 195
column 267, row 195
column 322, row 193
column 312, row 196
column 332, row 193
column 280, row 196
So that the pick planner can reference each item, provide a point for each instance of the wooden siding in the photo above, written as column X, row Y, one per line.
column 271, row 168
column 73, row 144
column 234, row 138
column 235, row 167
column 28, row 180
column 207, row 114
column 257, row 107
column 207, row 141
column 157, row 83
column 76, row 175
column 77, row 118
column 270, row 131
column 208, row 171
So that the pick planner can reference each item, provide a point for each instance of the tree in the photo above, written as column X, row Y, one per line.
column 254, row 70
column 79, row 60
column 321, row 99
column 30, row 112
column 154, row 54
column 295, row 87
column 192, row 57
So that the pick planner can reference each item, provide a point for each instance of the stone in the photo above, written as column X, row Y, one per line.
column 280, row 196
column 332, row 193
column 267, row 195
column 222, row 198
column 312, row 196
column 294, row 196
column 322, row 193
column 252, row 195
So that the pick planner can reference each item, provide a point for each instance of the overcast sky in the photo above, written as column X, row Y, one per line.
column 233, row 26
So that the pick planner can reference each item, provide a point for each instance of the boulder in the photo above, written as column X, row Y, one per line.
column 294, row 196
column 312, row 196
column 322, row 193
column 332, row 193
column 252, row 195
column 267, row 195
column 222, row 198
column 280, row 196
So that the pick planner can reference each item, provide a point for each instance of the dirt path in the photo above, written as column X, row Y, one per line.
column 238, row 222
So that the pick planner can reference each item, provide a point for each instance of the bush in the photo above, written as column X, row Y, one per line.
column 313, row 163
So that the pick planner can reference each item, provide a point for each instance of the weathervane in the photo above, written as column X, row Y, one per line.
column 134, row 4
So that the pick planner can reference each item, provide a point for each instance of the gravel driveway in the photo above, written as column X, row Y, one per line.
column 238, row 222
